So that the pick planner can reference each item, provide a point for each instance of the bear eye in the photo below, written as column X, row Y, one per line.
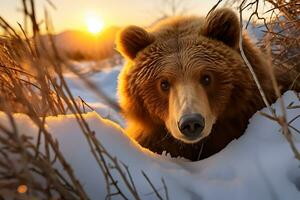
column 165, row 85
column 205, row 80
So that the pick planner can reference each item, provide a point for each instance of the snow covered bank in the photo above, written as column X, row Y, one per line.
column 259, row 165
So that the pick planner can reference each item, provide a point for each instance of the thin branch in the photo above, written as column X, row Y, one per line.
column 152, row 186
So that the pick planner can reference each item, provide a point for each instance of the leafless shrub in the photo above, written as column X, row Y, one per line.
column 172, row 7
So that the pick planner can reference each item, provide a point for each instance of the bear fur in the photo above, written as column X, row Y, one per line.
column 181, row 50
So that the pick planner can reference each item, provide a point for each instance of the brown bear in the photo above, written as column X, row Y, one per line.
column 185, row 88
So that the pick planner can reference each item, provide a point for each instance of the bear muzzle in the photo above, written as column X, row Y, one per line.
column 191, row 125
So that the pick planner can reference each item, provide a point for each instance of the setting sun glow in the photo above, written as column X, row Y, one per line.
column 94, row 23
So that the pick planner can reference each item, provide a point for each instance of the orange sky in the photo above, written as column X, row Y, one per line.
column 71, row 14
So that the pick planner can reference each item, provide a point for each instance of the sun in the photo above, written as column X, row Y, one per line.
column 95, row 24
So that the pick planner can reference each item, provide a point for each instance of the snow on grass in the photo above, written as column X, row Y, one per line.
column 259, row 165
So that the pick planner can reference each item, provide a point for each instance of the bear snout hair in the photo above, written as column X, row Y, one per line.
column 185, row 86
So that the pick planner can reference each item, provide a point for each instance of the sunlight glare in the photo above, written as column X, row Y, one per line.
column 94, row 23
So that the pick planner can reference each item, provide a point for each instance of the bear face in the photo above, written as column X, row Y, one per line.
column 185, row 77
column 172, row 83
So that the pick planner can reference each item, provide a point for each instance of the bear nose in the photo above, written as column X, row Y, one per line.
column 191, row 125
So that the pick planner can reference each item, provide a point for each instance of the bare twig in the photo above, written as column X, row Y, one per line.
column 152, row 186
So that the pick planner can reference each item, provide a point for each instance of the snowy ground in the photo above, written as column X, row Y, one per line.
column 259, row 165
column 106, row 81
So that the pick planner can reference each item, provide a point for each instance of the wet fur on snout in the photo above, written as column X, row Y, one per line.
column 188, row 97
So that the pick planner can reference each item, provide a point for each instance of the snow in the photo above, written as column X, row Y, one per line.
column 106, row 78
column 259, row 165
column 106, row 81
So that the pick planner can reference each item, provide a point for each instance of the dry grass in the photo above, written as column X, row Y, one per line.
column 32, row 82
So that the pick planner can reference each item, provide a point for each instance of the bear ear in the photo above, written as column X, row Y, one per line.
column 133, row 39
column 223, row 25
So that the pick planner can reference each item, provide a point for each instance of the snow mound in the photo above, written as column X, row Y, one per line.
column 259, row 165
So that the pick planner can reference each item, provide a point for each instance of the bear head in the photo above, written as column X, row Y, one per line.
column 181, row 74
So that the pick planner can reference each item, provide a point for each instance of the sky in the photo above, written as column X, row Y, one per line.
column 72, row 14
